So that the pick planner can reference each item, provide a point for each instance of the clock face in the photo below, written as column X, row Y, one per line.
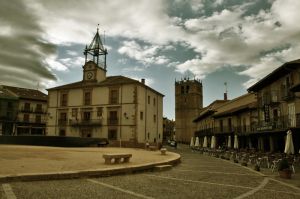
column 89, row 75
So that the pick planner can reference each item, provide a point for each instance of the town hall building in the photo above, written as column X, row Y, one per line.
column 124, row 110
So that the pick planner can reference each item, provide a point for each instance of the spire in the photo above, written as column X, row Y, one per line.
column 96, row 50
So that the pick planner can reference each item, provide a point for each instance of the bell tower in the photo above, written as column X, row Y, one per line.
column 188, row 104
column 94, row 68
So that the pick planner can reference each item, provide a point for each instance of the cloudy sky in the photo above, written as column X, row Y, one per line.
column 233, row 41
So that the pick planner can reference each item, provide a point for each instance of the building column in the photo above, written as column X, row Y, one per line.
column 260, row 144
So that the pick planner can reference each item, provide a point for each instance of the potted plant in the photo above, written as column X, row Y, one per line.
column 284, row 169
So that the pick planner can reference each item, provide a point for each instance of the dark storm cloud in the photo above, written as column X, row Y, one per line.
column 22, row 48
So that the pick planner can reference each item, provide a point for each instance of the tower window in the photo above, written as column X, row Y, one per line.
column 182, row 89
column 187, row 89
column 148, row 99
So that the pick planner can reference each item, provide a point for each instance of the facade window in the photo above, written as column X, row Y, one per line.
column 112, row 134
column 244, row 125
column 154, row 118
column 64, row 99
column 26, row 118
column 9, row 105
column 9, row 115
column 187, row 89
column 87, row 98
column 154, row 101
column 99, row 111
column 62, row 118
column 38, row 108
column 148, row 99
column 38, row 119
column 182, row 89
column 74, row 112
column 113, row 96
column 113, row 117
column 141, row 115
column 27, row 107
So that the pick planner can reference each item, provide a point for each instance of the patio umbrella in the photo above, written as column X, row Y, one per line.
column 192, row 142
column 289, row 146
column 213, row 142
column 197, row 142
column 236, row 142
column 205, row 142
column 229, row 142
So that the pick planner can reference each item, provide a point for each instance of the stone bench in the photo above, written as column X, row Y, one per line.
column 117, row 158
column 163, row 151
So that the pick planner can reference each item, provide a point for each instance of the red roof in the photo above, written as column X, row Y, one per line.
column 26, row 93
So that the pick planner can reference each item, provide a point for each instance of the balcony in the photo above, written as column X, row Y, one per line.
column 7, row 119
column 286, row 94
column 62, row 122
column 280, row 123
column 204, row 132
column 272, row 98
column 40, row 111
column 31, row 121
column 26, row 110
column 245, row 129
column 113, row 121
column 86, row 123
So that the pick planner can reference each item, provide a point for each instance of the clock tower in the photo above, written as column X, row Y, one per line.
column 94, row 68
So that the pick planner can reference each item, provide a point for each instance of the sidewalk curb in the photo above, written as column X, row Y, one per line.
column 87, row 173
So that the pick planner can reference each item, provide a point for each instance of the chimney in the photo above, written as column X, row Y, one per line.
column 143, row 81
column 225, row 96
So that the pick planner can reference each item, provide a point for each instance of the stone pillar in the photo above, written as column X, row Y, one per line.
column 260, row 144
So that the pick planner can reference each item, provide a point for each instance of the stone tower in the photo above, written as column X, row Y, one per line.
column 188, row 103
